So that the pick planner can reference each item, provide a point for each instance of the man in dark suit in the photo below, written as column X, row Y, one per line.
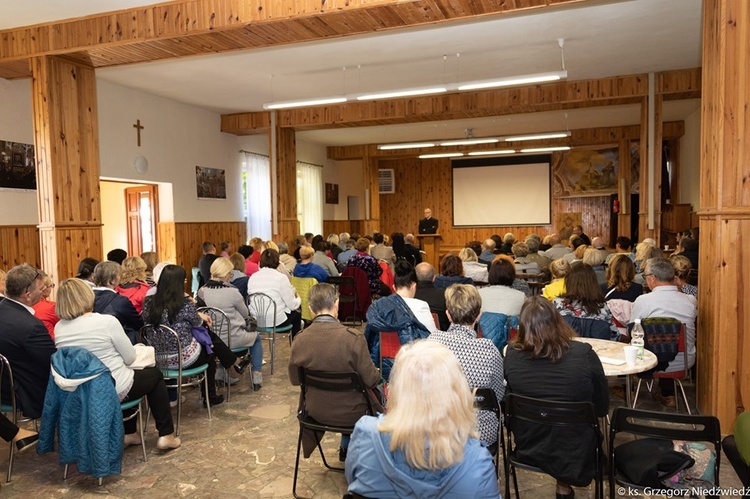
column 209, row 255
column 412, row 250
column 435, row 297
column 428, row 225
column 24, row 339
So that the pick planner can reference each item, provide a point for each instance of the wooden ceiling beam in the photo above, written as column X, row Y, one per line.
column 683, row 84
column 183, row 28
column 578, row 138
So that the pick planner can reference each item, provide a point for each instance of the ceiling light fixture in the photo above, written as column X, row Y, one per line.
column 441, row 155
column 412, row 145
column 547, row 149
column 490, row 153
column 513, row 81
column 304, row 103
column 538, row 136
column 469, row 142
column 402, row 93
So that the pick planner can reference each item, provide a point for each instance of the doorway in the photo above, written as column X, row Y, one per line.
column 130, row 216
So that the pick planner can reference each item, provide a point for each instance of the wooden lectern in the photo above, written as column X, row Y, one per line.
column 430, row 244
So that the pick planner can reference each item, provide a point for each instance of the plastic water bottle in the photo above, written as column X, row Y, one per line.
column 637, row 339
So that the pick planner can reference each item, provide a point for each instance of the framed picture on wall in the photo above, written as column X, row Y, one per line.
column 211, row 183
column 17, row 165
column 332, row 193
column 586, row 172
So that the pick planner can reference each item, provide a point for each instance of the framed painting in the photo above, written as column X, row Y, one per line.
column 211, row 183
column 17, row 165
column 586, row 172
column 332, row 193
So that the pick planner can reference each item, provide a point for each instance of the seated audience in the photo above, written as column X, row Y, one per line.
column 475, row 246
column 226, row 249
column 24, row 340
column 598, row 244
column 86, row 270
column 583, row 298
column 451, row 272
column 363, row 261
column 204, row 264
column 284, row 257
column 349, row 252
column 2, row 284
column 518, row 284
column 321, row 258
column 620, row 275
column 23, row 439
column 382, row 252
column 150, row 258
column 508, row 241
column 498, row 243
column 133, row 284
column 257, row 244
column 406, row 288
column 425, row 446
column 44, row 310
column 479, row 358
column 499, row 297
column 644, row 251
column 595, row 259
column 681, row 265
column 343, row 239
column 666, row 300
column 411, row 248
column 103, row 336
column 577, row 247
column 523, row 264
column 117, row 256
column 623, row 246
column 219, row 293
column 557, row 249
column 578, row 231
column 536, row 256
column 307, row 268
column 250, row 267
column 328, row 345
column 426, row 291
column 559, row 268
column 545, row 245
column 171, row 307
column 544, row 362
column 488, row 252
column 239, row 278
column 333, row 246
column 689, row 249
column 300, row 241
column 270, row 281
column 476, row 271
column 109, row 302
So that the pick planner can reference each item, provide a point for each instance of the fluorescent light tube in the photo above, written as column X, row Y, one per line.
column 403, row 93
column 514, row 80
column 547, row 149
column 412, row 145
column 441, row 155
column 538, row 136
column 468, row 142
column 304, row 103
column 489, row 153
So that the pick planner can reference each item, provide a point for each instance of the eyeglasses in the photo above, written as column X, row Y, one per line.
column 647, row 275
column 39, row 274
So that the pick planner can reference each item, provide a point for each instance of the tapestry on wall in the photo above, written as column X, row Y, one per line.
column 211, row 182
column 565, row 222
column 17, row 165
column 585, row 172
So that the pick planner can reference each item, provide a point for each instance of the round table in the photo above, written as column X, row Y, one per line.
column 616, row 350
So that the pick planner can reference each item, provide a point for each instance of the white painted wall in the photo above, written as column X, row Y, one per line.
column 350, row 177
column 690, row 158
column 114, row 217
column 17, row 207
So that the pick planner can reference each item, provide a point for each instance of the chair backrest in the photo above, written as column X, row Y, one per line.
column 154, row 336
column 302, row 285
column 587, row 327
column 333, row 382
column 262, row 306
column 7, row 373
column 360, row 290
column 665, row 337
column 219, row 323
column 667, row 426
column 551, row 413
column 486, row 400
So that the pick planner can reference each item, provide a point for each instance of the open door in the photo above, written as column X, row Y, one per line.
column 141, row 207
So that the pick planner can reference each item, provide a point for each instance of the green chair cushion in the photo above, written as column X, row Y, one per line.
column 130, row 404
column 279, row 329
column 193, row 371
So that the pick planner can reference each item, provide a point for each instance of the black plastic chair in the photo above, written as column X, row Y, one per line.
column 665, row 426
column 486, row 400
column 549, row 413
column 330, row 382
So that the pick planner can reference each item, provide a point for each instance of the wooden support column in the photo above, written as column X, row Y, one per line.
column 624, row 182
column 724, row 271
column 284, row 157
column 66, row 136
column 372, row 196
column 645, row 186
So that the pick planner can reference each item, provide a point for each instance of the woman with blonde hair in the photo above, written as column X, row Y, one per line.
column 544, row 362
column 151, row 259
column 559, row 268
column 103, row 336
column 595, row 258
column 478, row 272
column 426, row 445
column 643, row 252
column 133, row 285
column 44, row 310
column 681, row 265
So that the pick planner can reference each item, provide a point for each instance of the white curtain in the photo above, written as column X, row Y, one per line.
column 310, row 197
column 257, row 195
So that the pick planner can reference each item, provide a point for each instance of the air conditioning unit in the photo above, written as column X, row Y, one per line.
column 386, row 181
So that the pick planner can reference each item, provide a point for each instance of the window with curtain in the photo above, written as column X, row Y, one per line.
column 310, row 197
column 256, row 174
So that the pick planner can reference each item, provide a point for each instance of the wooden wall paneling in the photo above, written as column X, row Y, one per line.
column 339, row 226
column 285, row 158
column 19, row 244
column 66, row 140
column 643, row 230
column 372, row 195
column 624, row 180
column 723, row 335
column 166, row 246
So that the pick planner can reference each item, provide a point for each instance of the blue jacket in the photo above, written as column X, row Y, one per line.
column 372, row 470
column 86, row 413
column 391, row 313
column 311, row 270
column 496, row 327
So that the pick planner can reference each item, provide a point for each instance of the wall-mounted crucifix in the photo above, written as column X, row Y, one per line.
column 138, row 127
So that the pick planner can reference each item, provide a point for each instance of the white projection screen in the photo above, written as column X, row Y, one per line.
column 498, row 191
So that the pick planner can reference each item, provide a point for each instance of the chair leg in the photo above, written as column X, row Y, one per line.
column 272, row 342
column 325, row 462
column 296, row 464
column 10, row 462
column 179, row 407
column 637, row 391
column 101, row 480
column 208, row 399
column 677, row 382
column 65, row 472
column 140, row 428
column 514, row 473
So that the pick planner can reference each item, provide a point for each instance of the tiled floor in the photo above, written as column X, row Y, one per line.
column 247, row 450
